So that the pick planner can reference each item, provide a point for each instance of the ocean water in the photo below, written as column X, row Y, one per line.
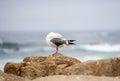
column 14, row 46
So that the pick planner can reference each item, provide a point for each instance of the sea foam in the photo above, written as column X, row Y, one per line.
column 101, row 47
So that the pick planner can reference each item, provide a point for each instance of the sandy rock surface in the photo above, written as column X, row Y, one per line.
column 77, row 78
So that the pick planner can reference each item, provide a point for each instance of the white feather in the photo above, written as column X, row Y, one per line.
column 52, row 35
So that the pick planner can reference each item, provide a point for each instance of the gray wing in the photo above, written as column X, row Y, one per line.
column 58, row 41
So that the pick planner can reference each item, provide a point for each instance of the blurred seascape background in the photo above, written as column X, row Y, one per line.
column 24, row 24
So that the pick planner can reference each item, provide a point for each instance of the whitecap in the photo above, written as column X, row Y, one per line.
column 101, row 47
column 88, row 57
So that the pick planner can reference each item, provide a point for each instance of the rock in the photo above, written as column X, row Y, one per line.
column 34, row 59
column 1, row 78
column 11, row 77
column 58, row 64
column 39, row 66
column 106, row 67
column 13, row 68
column 0, row 71
column 60, row 59
column 32, row 72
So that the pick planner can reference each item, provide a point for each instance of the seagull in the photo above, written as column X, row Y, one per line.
column 57, row 41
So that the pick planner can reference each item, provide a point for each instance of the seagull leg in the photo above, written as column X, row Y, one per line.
column 56, row 49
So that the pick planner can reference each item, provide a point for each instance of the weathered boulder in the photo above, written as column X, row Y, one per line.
column 39, row 66
column 106, row 67
column 58, row 64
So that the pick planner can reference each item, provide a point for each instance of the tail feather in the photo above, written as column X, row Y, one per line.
column 71, row 42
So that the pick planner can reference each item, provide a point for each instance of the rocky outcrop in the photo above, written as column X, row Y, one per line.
column 39, row 66
column 58, row 64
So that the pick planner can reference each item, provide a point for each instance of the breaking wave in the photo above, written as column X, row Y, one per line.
column 101, row 47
